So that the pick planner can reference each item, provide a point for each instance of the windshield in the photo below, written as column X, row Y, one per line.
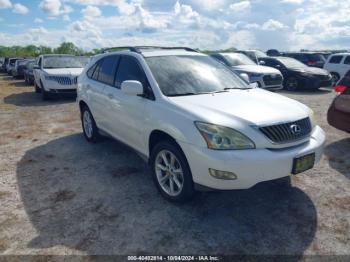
column 192, row 75
column 317, row 57
column 238, row 59
column 30, row 65
column 65, row 62
column 291, row 62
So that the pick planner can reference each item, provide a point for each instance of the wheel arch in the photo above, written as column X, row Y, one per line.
column 157, row 136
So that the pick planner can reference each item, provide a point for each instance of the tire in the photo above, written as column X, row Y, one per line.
column 179, row 194
column 37, row 88
column 44, row 94
column 283, row 182
column 335, row 78
column 291, row 84
column 90, row 130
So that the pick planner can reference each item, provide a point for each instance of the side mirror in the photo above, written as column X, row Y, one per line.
column 36, row 67
column 132, row 88
column 245, row 77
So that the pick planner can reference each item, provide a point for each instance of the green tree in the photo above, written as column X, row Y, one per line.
column 68, row 48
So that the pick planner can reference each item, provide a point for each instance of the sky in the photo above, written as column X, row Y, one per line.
column 206, row 24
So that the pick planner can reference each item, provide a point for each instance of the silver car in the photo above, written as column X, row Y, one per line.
column 266, row 77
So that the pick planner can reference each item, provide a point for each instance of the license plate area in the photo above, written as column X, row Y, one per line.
column 303, row 163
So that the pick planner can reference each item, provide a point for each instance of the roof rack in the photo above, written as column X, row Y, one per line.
column 138, row 49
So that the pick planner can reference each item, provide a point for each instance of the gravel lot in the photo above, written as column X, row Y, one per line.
column 61, row 195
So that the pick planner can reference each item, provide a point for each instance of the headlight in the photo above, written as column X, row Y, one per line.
column 254, row 75
column 312, row 119
column 223, row 138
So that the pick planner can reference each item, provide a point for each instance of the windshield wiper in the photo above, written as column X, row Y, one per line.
column 239, row 88
column 184, row 94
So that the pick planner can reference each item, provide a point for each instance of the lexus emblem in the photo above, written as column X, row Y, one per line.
column 296, row 129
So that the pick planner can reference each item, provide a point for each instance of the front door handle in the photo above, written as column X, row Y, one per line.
column 110, row 96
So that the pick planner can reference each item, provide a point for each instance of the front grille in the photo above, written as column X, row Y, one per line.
column 272, row 80
column 288, row 132
column 63, row 80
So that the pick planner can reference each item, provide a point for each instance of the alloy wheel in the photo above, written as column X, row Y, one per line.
column 169, row 173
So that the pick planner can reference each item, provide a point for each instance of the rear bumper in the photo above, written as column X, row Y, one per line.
column 250, row 166
column 338, row 119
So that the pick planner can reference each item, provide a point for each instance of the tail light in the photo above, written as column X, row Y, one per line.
column 340, row 89
column 311, row 62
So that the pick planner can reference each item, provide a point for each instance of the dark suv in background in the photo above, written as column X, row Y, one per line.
column 308, row 58
column 339, row 111
column 298, row 75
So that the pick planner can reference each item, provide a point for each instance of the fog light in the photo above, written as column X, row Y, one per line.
column 222, row 174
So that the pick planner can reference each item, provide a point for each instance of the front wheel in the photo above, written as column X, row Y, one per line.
column 37, row 88
column 171, row 172
column 291, row 84
column 90, row 128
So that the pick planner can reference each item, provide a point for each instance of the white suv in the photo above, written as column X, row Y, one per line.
column 196, row 122
column 57, row 74
column 338, row 65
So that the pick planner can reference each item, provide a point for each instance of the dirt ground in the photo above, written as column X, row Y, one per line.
column 61, row 195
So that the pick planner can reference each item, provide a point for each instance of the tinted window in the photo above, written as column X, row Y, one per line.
column 97, row 69
column 129, row 69
column 347, row 60
column 335, row 59
column 91, row 71
column 270, row 62
column 39, row 64
column 107, row 71
column 192, row 75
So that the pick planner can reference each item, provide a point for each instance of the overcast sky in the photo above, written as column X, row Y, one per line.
column 263, row 24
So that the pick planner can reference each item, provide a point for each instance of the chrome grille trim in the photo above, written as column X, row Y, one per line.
column 63, row 80
column 283, row 133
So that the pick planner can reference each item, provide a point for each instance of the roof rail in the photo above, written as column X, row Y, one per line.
column 138, row 49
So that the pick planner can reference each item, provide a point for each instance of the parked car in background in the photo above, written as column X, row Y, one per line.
column 28, row 72
column 298, row 75
column 253, row 54
column 308, row 58
column 57, row 74
column 339, row 111
column 4, row 64
column 266, row 77
column 18, row 69
column 338, row 65
column 197, row 124
column 11, row 65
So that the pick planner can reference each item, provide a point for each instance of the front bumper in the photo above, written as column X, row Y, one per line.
column 250, row 166
column 315, row 82
column 268, row 84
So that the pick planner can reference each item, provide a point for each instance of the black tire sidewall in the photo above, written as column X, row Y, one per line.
column 188, row 187
column 291, row 79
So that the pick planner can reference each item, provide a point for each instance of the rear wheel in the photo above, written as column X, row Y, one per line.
column 335, row 78
column 291, row 84
column 171, row 172
column 37, row 88
column 90, row 128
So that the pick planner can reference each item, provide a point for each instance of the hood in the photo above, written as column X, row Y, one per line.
column 64, row 71
column 257, row 69
column 255, row 106
column 312, row 70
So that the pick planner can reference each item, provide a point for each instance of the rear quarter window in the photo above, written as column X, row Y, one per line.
column 347, row 60
column 335, row 59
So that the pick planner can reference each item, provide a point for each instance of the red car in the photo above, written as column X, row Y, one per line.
column 339, row 112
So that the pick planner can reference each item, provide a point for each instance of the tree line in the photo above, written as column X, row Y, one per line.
column 64, row 48
column 33, row 50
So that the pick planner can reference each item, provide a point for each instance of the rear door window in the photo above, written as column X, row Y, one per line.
column 336, row 59
column 108, row 67
column 347, row 60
